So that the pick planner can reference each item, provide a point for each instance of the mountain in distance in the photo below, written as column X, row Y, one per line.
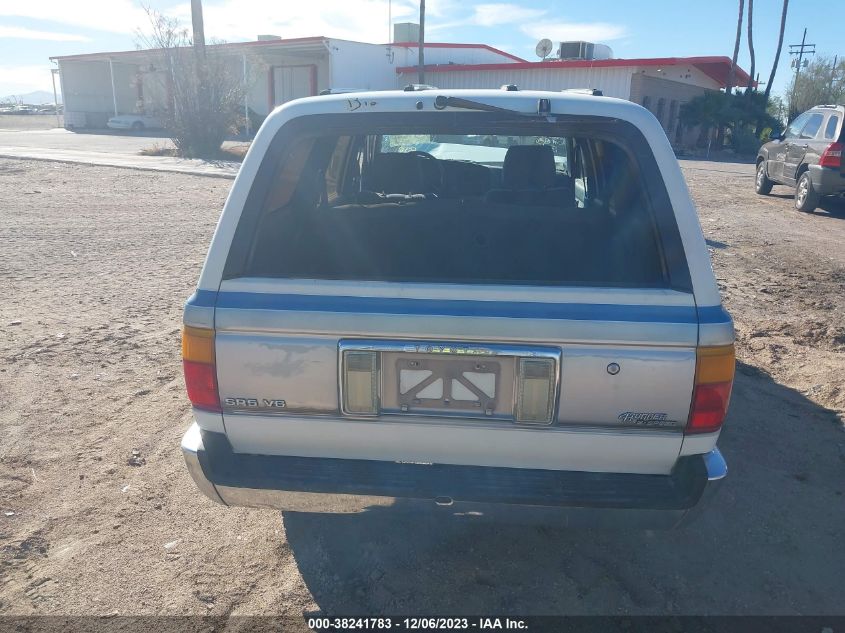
column 36, row 97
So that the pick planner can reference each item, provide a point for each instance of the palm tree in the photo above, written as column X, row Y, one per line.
column 720, row 133
column 730, row 82
column 777, row 53
column 750, row 86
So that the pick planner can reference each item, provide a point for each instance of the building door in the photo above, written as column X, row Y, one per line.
column 293, row 82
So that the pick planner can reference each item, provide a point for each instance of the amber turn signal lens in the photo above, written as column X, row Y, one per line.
column 715, row 364
column 714, row 374
column 198, row 344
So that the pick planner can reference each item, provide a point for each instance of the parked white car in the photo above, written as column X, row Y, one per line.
column 469, row 302
column 136, row 122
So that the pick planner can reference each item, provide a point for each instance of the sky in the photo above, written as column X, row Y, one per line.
column 31, row 31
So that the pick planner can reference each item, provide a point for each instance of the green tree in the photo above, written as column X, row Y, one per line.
column 705, row 111
column 821, row 82
column 778, row 110
column 737, row 113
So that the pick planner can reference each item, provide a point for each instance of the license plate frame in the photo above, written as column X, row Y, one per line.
column 448, row 371
column 458, row 355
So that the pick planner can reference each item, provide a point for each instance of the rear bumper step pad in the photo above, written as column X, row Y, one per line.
column 252, row 480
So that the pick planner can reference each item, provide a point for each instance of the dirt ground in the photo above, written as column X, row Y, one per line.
column 29, row 121
column 95, row 265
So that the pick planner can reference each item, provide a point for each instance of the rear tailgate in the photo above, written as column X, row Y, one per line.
column 438, row 297
column 623, row 367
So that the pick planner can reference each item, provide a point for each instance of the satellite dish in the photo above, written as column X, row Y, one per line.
column 544, row 47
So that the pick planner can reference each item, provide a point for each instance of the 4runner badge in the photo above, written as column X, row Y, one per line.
column 646, row 419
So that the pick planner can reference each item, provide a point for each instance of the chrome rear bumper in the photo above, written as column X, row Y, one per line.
column 350, row 486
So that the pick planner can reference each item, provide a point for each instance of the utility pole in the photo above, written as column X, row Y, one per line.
column 800, row 50
column 54, row 72
column 199, row 29
column 199, row 56
column 421, row 46
column 833, row 73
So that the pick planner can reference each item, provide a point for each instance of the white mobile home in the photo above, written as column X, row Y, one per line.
column 97, row 86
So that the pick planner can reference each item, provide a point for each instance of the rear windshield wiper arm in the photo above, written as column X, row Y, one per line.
column 441, row 102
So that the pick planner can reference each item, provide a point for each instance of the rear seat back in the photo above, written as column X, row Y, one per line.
column 406, row 173
column 423, row 239
column 530, row 178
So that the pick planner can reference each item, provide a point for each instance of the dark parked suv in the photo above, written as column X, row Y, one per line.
column 808, row 156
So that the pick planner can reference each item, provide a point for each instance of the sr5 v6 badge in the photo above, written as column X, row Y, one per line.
column 254, row 403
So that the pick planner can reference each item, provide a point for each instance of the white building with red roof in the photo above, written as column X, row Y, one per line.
column 97, row 86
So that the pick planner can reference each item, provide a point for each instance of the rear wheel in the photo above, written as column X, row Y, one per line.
column 806, row 199
column 137, row 126
column 762, row 184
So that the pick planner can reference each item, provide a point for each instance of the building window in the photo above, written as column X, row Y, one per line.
column 647, row 103
column 673, row 117
column 661, row 109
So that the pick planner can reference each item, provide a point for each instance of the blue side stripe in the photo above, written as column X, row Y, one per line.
column 713, row 315
column 461, row 308
column 203, row 299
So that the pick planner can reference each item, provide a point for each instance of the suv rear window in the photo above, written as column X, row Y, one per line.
column 460, row 198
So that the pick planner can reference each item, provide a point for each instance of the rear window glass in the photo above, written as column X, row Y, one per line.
column 505, row 203
column 830, row 130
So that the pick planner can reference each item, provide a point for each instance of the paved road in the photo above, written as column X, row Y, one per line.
column 101, row 141
column 104, row 148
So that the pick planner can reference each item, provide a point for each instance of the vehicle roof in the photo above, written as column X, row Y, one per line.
column 422, row 101
column 562, row 102
column 838, row 108
column 487, row 93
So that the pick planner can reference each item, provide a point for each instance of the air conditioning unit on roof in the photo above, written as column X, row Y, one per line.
column 584, row 51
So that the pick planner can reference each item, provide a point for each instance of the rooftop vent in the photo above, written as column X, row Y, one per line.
column 584, row 50
column 406, row 32
column 268, row 38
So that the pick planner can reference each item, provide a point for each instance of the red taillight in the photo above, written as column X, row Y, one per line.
column 714, row 373
column 709, row 407
column 201, row 384
column 200, row 372
column 832, row 156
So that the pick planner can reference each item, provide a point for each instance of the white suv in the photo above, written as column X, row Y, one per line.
column 473, row 302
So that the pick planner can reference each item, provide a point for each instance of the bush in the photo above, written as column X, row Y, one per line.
column 207, row 94
column 744, row 142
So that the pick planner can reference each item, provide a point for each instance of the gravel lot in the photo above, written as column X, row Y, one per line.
column 95, row 264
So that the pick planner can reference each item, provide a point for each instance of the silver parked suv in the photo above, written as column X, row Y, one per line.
column 473, row 302
column 807, row 156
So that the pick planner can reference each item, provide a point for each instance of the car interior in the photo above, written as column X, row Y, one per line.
column 353, row 208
